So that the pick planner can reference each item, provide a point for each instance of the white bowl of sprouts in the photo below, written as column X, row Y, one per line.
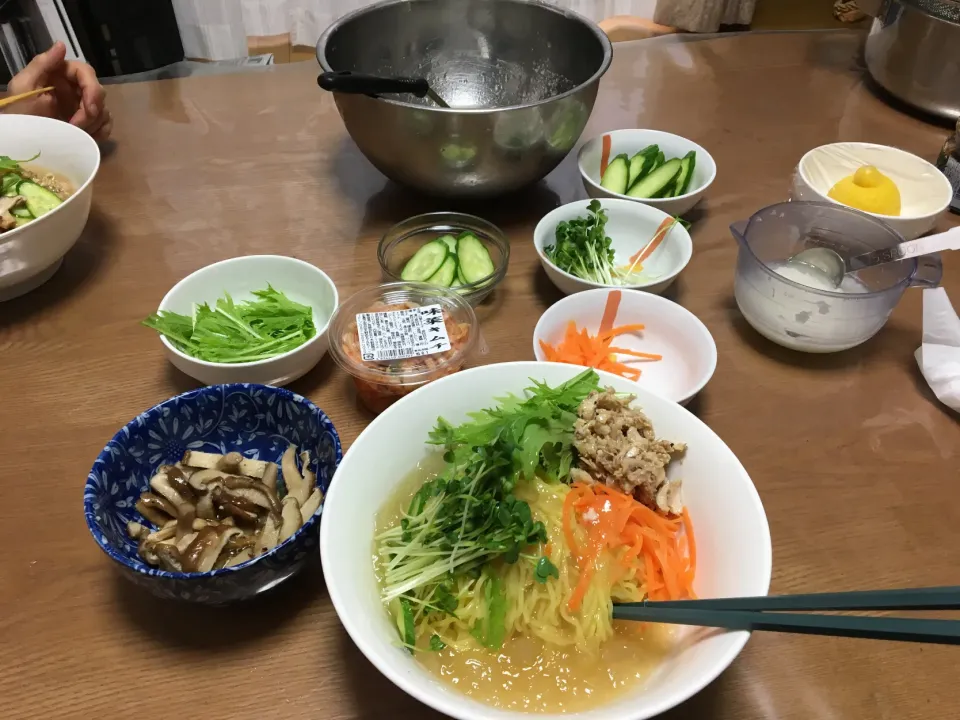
column 486, row 597
column 611, row 243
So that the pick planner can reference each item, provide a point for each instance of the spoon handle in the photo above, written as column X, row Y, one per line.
column 949, row 240
column 355, row 83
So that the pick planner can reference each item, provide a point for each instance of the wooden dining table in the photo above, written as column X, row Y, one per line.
column 855, row 460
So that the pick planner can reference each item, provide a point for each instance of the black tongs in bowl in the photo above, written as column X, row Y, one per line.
column 359, row 84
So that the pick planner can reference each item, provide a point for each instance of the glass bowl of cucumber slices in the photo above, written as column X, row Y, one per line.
column 453, row 250
column 656, row 168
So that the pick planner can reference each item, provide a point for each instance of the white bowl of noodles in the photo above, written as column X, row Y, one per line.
column 658, row 667
column 62, row 158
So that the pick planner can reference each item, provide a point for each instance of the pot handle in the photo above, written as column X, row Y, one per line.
column 357, row 84
column 739, row 229
column 929, row 271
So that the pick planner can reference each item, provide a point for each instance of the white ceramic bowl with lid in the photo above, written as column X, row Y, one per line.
column 240, row 276
column 734, row 556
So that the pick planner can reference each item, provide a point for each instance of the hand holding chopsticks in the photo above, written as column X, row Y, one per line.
column 764, row 613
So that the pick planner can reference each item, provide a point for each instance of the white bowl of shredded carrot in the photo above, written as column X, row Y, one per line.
column 644, row 248
column 424, row 612
column 657, row 343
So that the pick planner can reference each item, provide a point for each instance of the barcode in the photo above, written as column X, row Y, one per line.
column 400, row 334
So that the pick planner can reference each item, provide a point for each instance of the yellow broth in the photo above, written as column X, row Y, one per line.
column 527, row 674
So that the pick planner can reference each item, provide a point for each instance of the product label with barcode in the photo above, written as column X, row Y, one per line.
column 399, row 334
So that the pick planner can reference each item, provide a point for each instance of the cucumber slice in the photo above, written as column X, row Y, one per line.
column 9, row 183
column 641, row 163
column 657, row 181
column 451, row 242
column 616, row 176
column 21, row 211
column 447, row 272
column 687, row 164
column 460, row 280
column 40, row 201
column 474, row 258
column 425, row 261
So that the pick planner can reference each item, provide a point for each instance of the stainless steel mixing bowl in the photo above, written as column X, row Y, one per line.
column 521, row 77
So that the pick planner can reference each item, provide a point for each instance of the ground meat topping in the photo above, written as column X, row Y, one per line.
column 616, row 446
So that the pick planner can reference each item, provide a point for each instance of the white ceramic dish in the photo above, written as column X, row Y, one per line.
column 630, row 226
column 925, row 192
column 688, row 349
column 733, row 538
column 633, row 141
column 31, row 254
column 298, row 280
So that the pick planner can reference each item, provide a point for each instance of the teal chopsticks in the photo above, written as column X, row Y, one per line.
column 764, row 613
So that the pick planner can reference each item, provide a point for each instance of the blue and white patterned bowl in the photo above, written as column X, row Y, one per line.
column 257, row 420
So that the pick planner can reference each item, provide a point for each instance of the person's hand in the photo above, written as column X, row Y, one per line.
column 77, row 97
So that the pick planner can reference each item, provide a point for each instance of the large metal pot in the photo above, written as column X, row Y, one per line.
column 521, row 77
column 913, row 51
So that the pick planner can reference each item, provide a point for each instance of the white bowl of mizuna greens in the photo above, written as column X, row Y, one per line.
column 46, row 188
column 656, row 168
column 611, row 244
column 462, row 252
column 256, row 319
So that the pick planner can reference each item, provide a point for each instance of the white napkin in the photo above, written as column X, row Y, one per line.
column 939, row 354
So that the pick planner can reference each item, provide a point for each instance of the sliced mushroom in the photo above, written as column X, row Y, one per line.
column 290, row 518
column 212, row 551
column 205, row 539
column 269, row 535
column 309, row 508
column 202, row 478
column 253, row 491
column 240, row 557
column 270, row 477
column 205, row 508
column 309, row 478
column 168, row 531
column 161, row 486
column 178, row 481
column 292, row 479
column 235, row 506
column 183, row 543
column 156, row 509
column 169, row 557
column 136, row 531
column 231, row 463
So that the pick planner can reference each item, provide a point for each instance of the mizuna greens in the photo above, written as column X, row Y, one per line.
column 468, row 517
column 232, row 332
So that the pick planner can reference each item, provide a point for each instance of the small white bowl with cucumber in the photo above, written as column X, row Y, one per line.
column 656, row 168
column 454, row 250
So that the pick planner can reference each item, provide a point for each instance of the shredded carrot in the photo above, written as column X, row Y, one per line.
column 610, row 311
column 638, row 257
column 604, row 154
column 578, row 347
column 658, row 550
column 635, row 353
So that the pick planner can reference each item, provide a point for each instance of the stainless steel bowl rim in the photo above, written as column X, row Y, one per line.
column 570, row 14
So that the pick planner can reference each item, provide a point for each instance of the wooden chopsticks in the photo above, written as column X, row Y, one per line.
column 4, row 102
column 765, row 613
